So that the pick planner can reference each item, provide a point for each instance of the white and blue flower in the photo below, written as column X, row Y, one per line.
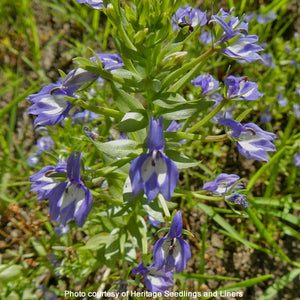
column 154, row 172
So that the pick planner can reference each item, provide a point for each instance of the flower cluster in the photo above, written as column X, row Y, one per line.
column 153, row 173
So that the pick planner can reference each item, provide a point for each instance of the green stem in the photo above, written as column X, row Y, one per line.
column 205, row 197
column 177, row 136
column 97, row 109
column 208, row 117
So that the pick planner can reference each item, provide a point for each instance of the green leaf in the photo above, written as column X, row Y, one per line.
column 133, row 121
column 39, row 248
column 181, row 161
column 186, row 110
column 124, row 101
column 8, row 273
column 95, row 242
column 119, row 148
column 270, row 292
column 169, row 100
column 242, row 284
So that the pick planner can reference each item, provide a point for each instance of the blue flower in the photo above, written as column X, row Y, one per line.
column 237, row 198
column 265, row 116
column 296, row 108
column 267, row 60
column 223, row 184
column 282, row 101
column 296, row 159
column 155, row 280
column 48, row 294
column 188, row 16
column 67, row 199
column 206, row 82
column 206, row 38
column 172, row 251
column 96, row 4
column 154, row 171
column 44, row 143
column 244, row 47
column 262, row 19
column 49, row 104
column 240, row 88
column 61, row 229
column 71, row 199
column 110, row 61
column 252, row 141
column 84, row 116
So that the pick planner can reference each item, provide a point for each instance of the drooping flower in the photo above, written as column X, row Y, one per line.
column 245, row 47
column 188, row 16
column 207, row 83
column 50, row 105
column 252, row 141
column 96, row 4
column 110, row 61
column 172, row 251
column 68, row 199
column 240, row 88
column 223, row 184
column 155, row 280
column 154, row 171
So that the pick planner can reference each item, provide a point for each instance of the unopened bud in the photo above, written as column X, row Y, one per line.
column 172, row 59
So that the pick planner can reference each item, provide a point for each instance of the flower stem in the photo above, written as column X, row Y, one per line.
column 208, row 117
column 97, row 109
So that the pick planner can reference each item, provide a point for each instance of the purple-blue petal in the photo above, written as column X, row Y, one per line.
column 155, row 139
column 185, row 255
column 137, row 184
column 169, row 184
column 176, row 226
